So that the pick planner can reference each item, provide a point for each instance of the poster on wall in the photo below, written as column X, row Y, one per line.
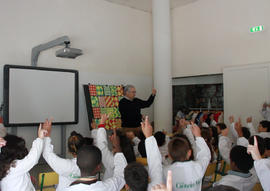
column 103, row 99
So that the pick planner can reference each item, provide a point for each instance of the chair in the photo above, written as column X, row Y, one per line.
column 48, row 181
column 257, row 187
column 141, row 160
column 211, row 169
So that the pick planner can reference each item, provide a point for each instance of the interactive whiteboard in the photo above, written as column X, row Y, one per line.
column 32, row 94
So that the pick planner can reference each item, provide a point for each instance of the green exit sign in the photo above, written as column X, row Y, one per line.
column 256, row 29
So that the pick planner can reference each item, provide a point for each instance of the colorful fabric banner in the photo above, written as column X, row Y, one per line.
column 107, row 90
column 102, row 102
column 96, row 112
column 113, row 90
column 94, row 101
column 120, row 91
column 100, row 91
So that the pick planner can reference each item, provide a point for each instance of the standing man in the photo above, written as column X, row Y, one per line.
column 130, row 108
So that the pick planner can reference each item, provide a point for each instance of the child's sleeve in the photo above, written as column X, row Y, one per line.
column 94, row 136
column 31, row 159
column 154, row 161
column 224, row 149
column 102, row 144
column 203, row 155
column 61, row 166
column 263, row 172
column 233, row 131
column 117, row 182
column 187, row 131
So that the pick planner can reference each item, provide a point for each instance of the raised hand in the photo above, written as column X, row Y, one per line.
column 104, row 118
column 238, row 129
column 154, row 91
column 162, row 187
column 147, row 128
column 47, row 125
column 42, row 132
column 196, row 131
column 253, row 150
column 231, row 119
column 249, row 120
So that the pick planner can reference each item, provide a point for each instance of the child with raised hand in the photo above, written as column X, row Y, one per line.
column 261, row 165
column 188, row 174
column 107, row 155
column 67, row 169
column 89, row 162
column 136, row 176
column 224, row 142
column 16, row 162
column 239, row 176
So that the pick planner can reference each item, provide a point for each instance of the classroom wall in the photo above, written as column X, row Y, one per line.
column 116, row 41
column 210, row 35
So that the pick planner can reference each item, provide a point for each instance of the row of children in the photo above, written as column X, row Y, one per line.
column 185, row 157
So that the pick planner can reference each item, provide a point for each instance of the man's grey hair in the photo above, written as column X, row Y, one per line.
column 127, row 88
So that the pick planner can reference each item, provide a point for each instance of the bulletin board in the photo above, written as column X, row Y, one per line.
column 103, row 99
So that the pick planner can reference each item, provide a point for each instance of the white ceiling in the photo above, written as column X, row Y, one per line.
column 146, row 5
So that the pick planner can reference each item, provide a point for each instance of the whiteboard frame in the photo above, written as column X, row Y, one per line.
column 7, row 88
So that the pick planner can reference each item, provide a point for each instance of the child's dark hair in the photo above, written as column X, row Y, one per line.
column 160, row 138
column 136, row 177
column 88, row 141
column 75, row 142
column 260, row 141
column 241, row 158
column 178, row 148
column 265, row 124
column 215, row 137
column 246, row 132
column 205, row 132
column 141, row 148
column 127, row 147
column 267, row 143
column 179, row 135
column 208, row 120
column 222, row 126
column 13, row 150
column 88, row 158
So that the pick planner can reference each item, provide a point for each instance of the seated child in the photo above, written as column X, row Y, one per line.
column 67, row 169
column 136, row 175
column 89, row 162
column 239, row 177
column 224, row 142
column 188, row 174
column 16, row 162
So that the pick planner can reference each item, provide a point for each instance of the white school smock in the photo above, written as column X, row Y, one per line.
column 114, row 183
column 238, row 180
column 253, row 131
column 18, row 177
column 266, row 113
column 67, row 169
column 187, row 131
column 224, row 147
column 154, row 161
column 262, row 168
column 107, row 155
column 187, row 176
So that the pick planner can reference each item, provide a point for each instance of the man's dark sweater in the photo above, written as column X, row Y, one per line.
column 131, row 111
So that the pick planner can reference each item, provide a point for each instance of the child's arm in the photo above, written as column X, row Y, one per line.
column 261, row 165
column 232, row 127
column 102, row 144
column 187, row 131
column 203, row 155
column 64, row 167
column 25, row 164
column 117, row 182
column 154, row 158
column 251, row 127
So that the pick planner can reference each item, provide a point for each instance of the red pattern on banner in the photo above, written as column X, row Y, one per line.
column 109, row 101
column 92, row 90
column 96, row 112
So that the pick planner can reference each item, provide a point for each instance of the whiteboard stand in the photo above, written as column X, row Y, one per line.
column 63, row 140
